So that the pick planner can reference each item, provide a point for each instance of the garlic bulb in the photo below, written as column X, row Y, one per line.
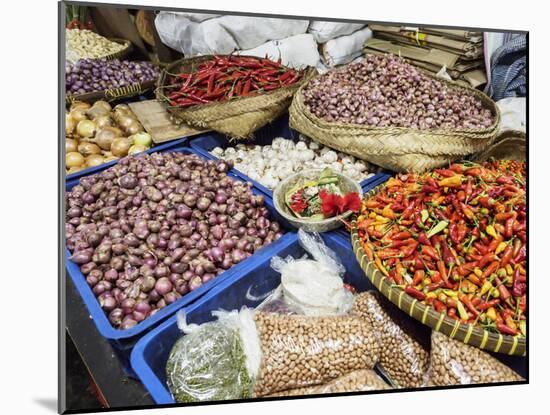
column 269, row 164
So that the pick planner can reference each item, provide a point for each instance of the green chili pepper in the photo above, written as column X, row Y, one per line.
column 438, row 228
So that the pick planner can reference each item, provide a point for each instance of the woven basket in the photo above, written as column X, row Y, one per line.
column 468, row 333
column 112, row 94
column 509, row 144
column 397, row 148
column 238, row 118
column 121, row 53
column 347, row 185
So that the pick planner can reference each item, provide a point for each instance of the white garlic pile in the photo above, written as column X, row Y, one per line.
column 270, row 164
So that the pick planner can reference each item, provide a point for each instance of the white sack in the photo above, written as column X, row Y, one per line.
column 344, row 49
column 512, row 114
column 223, row 34
column 324, row 31
column 295, row 51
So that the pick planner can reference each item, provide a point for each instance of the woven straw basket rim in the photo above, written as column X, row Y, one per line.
column 256, row 110
column 112, row 94
column 470, row 334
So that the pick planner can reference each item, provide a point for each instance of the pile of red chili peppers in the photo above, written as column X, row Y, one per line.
column 455, row 238
column 226, row 77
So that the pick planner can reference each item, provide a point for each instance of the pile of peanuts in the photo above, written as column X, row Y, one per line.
column 404, row 357
column 363, row 380
column 87, row 44
column 456, row 363
column 301, row 351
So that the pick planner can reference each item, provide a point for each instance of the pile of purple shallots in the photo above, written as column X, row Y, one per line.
column 154, row 227
column 384, row 90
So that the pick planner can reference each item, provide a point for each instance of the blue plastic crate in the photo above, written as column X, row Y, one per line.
column 124, row 340
column 248, row 288
column 264, row 136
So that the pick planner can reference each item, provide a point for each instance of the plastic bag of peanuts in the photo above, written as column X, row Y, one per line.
column 455, row 363
column 404, row 346
column 358, row 381
column 258, row 353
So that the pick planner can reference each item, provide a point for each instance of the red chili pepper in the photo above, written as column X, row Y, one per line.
column 429, row 251
column 439, row 306
column 482, row 249
column 442, row 270
column 521, row 256
column 423, row 239
column 418, row 277
column 487, row 304
column 506, row 256
column 401, row 235
column 518, row 288
column 502, row 217
column 434, row 286
column 451, row 312
column 445, row 172
column 413, row 292
column 388, row 253
column 246, row 89
column 502, row 290
column 493, row 266
column 453, row 232
column 474, row 171
column 504, row 329
column 485, row 259
column 466, row 301
column 509, row 228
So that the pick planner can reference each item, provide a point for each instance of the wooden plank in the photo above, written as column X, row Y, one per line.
column 156, row 121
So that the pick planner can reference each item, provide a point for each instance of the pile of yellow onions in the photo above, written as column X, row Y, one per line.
column 98, row 133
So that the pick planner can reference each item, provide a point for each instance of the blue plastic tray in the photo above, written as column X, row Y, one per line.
column 264, row 136
column 124, row 340
column 248, row 288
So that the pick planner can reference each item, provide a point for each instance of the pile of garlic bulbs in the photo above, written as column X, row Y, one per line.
column 270, row 164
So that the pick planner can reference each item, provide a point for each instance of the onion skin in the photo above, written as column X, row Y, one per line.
column 147, row 231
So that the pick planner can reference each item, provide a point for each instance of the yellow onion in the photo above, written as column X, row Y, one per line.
column 110, row 158
column 79, row 105
column 142, row 139
column 103, row 121
column 103, row 104
column 105, row 137
column 78, row 115
column 121, row 146
column 75, row 169
column 95, row 112
column 70, row 145
column 70, row 124
column 94, row 160
column 74, row 159
column 122, row 107
column 86, row 128
column 134, row 128
column 86, row 148
column 136, row 148
column 125, row 121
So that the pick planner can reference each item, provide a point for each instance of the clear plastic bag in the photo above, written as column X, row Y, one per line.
column 314, row 286
column 216, row 360
column 299, row 351
column 404, row 346
column 455, row 363
column 358, row 381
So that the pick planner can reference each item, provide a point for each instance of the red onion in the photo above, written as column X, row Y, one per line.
column 163, row 286
column 195, row 283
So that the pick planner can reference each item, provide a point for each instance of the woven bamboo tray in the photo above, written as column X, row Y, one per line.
column 112, row 94
column 397, row 148
column 121, row 53
column 468, row 333
column 509, row 144
column 238, row 118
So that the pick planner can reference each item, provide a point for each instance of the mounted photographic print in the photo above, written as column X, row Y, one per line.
column 281, row 206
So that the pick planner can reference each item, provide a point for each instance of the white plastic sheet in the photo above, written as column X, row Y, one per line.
column 325, row 31
column 193, row 34
column 344, row 49
column 295, row 51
